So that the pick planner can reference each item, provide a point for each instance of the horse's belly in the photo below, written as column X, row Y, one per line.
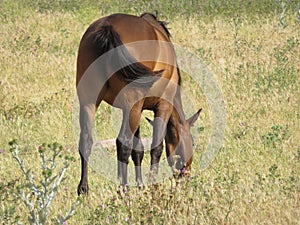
column 119, row 100
column 151, row 103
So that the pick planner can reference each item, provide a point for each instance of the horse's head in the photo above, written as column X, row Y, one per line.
column 180, row 142
column 183, row 146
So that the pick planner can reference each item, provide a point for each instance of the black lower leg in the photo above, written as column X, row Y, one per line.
column 83, row 187
column 137, row 157
column 123, row 153
column 85, row 145
column 155, row 157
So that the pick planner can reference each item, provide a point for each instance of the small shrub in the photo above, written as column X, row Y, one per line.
column 39, row 189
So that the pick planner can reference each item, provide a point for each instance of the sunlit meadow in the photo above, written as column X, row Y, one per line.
column 252, row 47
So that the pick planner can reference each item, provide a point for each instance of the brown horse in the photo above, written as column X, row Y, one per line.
column 130, row 63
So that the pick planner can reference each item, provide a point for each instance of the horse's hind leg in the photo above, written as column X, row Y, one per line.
column 137, row 156
column 87, row 114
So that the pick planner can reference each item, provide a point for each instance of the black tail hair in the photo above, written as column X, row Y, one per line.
column 106, row 39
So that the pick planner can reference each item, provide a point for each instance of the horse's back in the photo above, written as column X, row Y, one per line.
column 131, row 28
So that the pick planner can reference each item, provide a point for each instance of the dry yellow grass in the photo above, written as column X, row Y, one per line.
column 253, row 180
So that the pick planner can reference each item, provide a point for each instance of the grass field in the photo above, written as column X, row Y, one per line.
column 252, row 47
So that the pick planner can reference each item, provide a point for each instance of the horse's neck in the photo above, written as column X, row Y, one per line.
column 176, row 120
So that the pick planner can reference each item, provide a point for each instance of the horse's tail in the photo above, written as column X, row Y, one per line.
column 129, row 69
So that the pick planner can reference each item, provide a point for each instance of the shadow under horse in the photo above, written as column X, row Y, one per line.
column 130, row 63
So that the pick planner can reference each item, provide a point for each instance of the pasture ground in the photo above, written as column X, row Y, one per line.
column 253, row 49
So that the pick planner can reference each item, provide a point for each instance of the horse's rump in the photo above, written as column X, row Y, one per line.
column 128, row 67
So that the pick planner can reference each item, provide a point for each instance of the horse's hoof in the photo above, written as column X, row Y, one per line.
column 82, row 189
column 141, row 186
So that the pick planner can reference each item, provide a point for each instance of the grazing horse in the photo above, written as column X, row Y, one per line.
column 130, row 63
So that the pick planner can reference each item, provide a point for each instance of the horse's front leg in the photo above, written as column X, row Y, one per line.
column 124, row 142
column 161, row 117
column 124, row 148
column 87, row 114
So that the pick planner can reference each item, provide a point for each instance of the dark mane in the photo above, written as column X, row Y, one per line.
column 179, row 75
column 163, row 24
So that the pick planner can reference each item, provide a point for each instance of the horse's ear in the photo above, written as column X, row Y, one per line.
column 193, row 118
column 150, row 121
